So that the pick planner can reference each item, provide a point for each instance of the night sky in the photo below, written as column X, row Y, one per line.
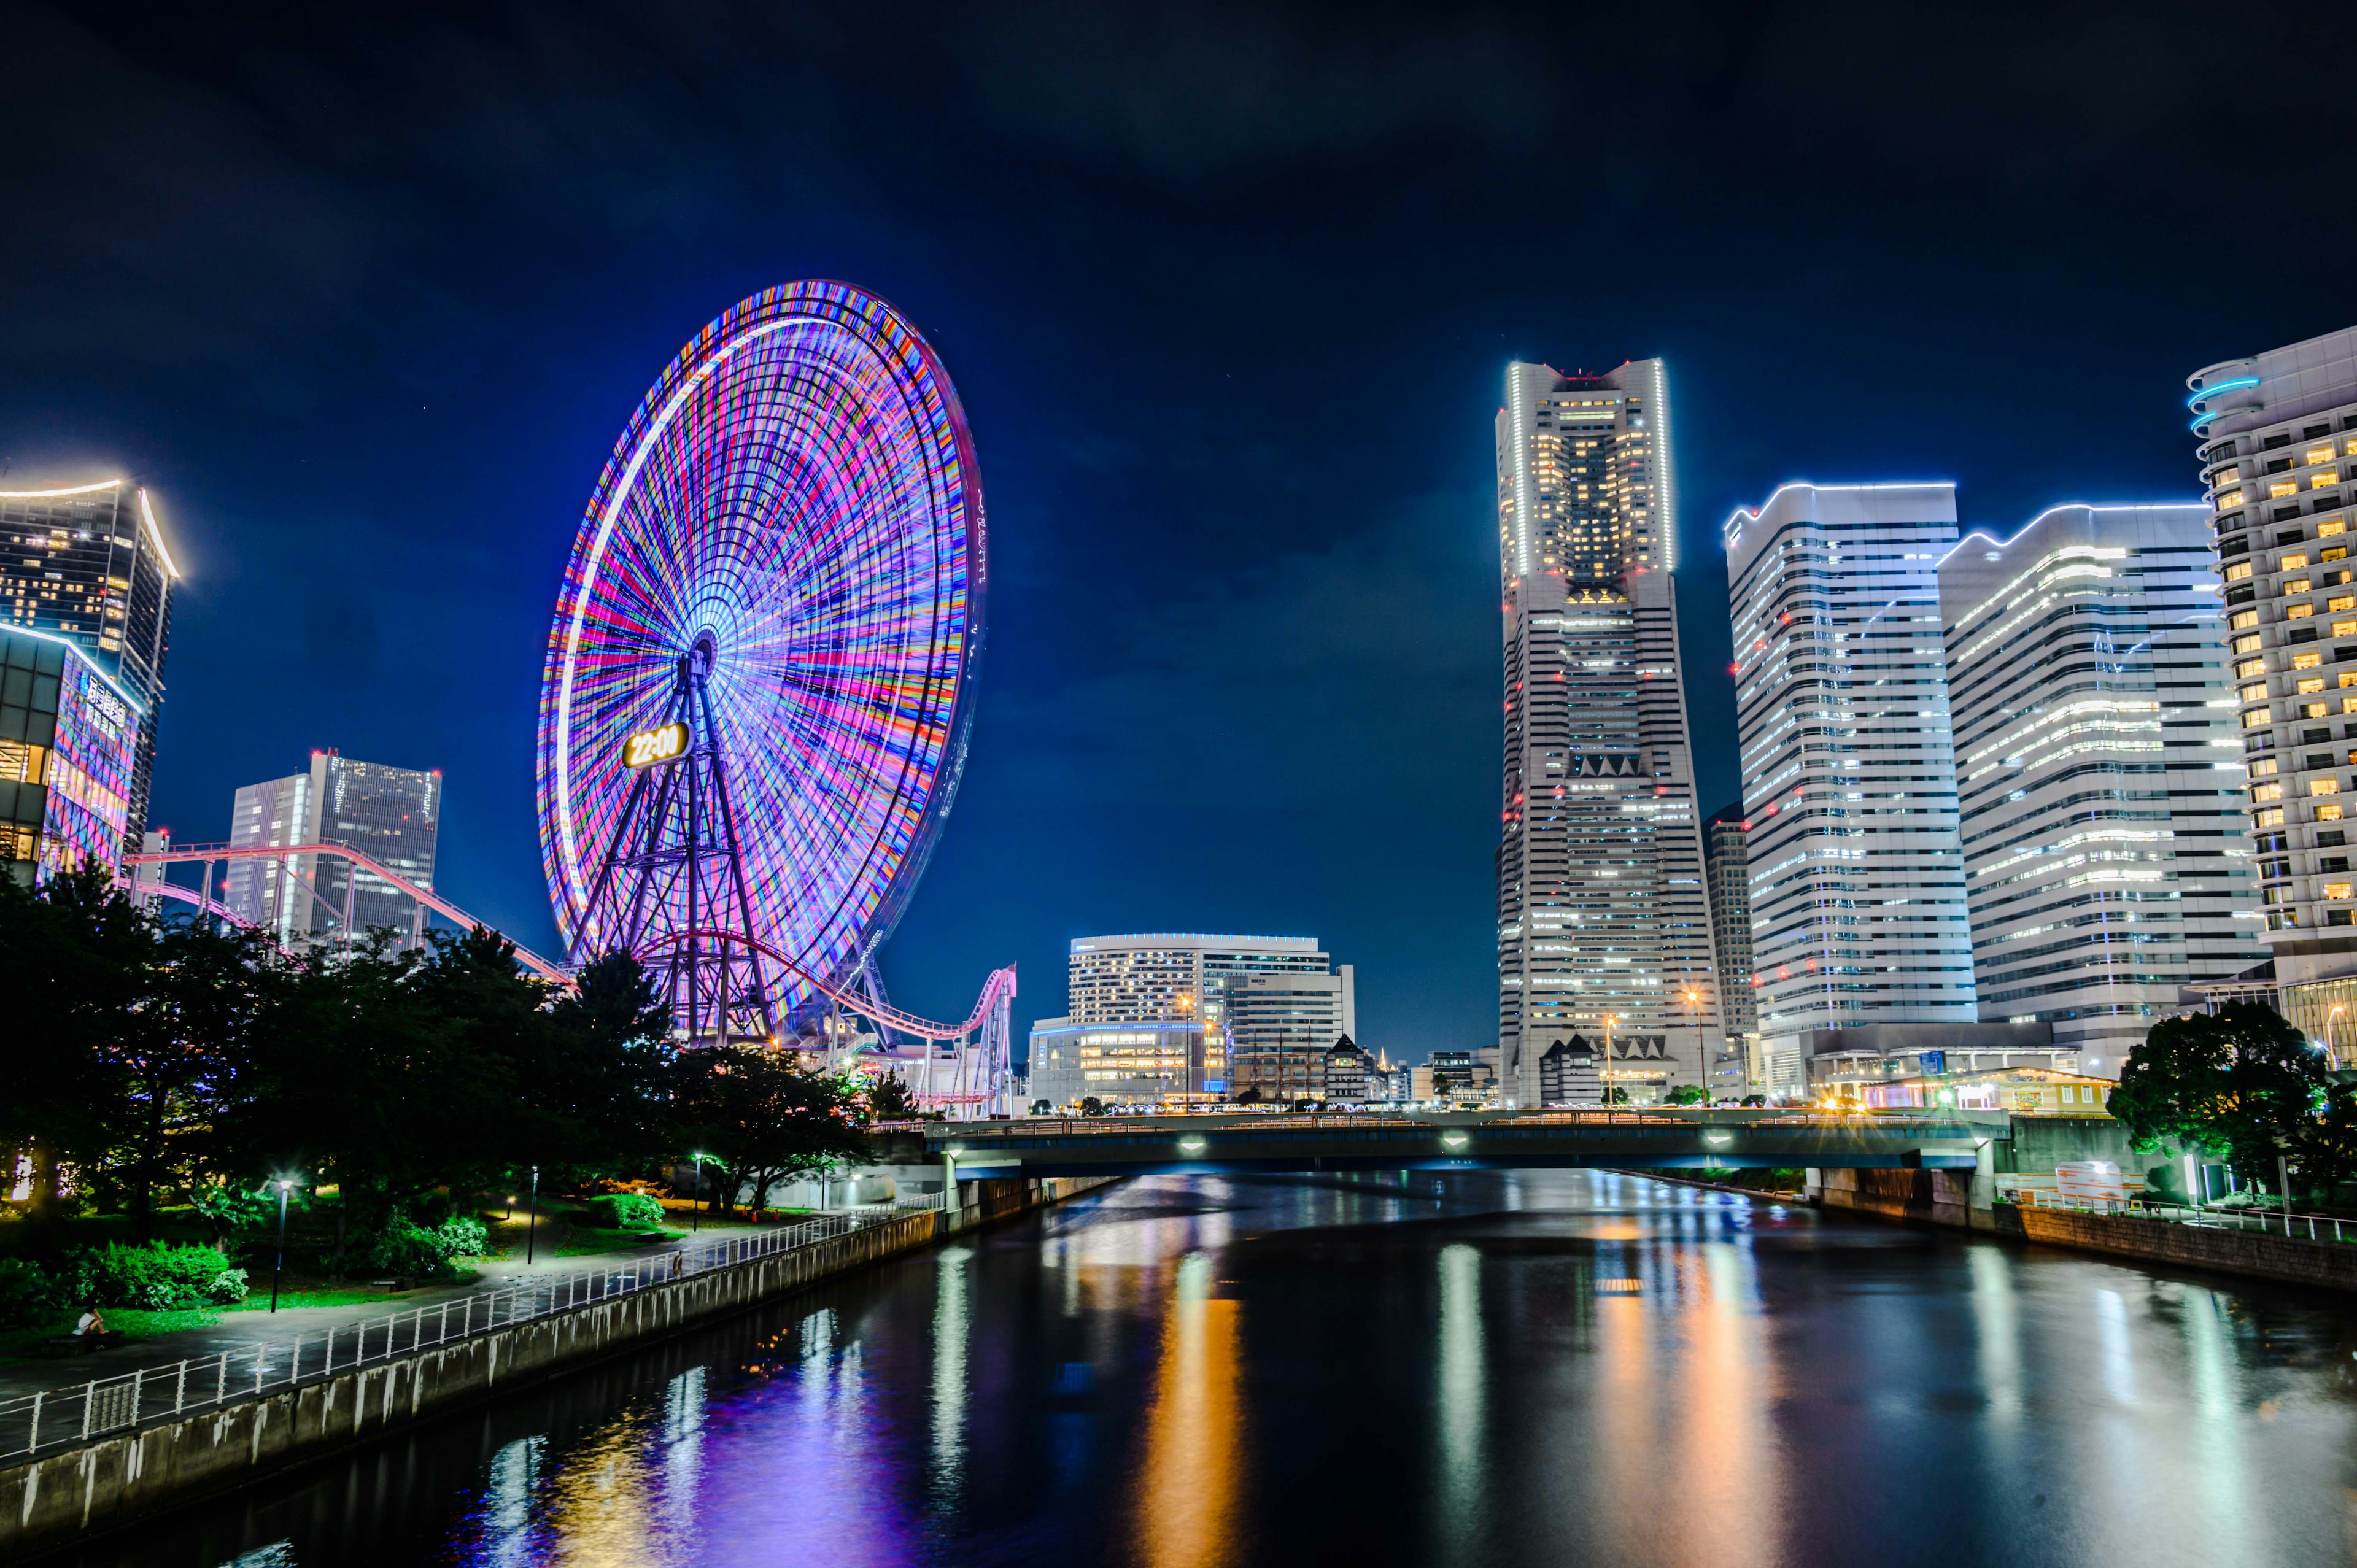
column 366, row 297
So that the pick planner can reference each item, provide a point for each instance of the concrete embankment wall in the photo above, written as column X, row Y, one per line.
column 1954, row 1199
column 50, row 1502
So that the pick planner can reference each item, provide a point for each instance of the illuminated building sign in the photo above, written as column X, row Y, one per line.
column 648, row 747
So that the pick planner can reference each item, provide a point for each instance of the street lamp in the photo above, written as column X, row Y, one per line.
column 532, row 1217
column 278, row 1264
column 1702, row 1063
column 695, row 1203
column 1604, row 1070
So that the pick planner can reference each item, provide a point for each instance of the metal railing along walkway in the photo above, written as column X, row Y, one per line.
column 2273, row 1221
column 32, row 1424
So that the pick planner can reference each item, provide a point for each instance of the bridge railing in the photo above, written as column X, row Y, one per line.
column 68, row 1417
column 1236, row 1122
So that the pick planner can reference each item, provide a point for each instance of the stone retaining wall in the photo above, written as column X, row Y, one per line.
column 52, row 1501
column 1947, row 1198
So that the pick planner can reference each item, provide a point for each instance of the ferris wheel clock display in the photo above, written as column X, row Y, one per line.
column 757, row 697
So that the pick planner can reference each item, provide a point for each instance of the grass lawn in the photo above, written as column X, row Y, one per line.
column 326, row 1296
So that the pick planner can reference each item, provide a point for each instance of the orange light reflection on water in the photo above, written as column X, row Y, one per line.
column 1187, row 1485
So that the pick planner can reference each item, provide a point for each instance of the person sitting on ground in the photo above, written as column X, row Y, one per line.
column 89, row 1322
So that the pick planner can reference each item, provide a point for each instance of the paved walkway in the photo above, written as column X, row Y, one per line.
column 242, row 1330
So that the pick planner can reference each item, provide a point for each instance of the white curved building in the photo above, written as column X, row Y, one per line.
column 1858, row 908
column 2099, row 773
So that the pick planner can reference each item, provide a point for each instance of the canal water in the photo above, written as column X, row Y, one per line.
column 1485, row 1368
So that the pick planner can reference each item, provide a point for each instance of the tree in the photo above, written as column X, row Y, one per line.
column 767, row 1118
column 2241, row 1082
column 602, row 1073
column 75, row 950
column 889, row 1098
column 1689, row 1094
column 183, row 1053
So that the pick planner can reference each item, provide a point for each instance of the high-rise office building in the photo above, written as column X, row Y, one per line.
column 2278, row 441
column 391, row 814
column 2099, row 772
column 1859, row 913
column 87, row 563
column 1269, row 1007
column 1601, row 912
column 1726, row 872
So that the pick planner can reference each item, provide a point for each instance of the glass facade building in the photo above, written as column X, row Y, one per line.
column 391, row 814
column 1601, row 911
column 88, row 563
column 70, row 737
column 1858, row 911
column 1728, row 870
column 2099, row 772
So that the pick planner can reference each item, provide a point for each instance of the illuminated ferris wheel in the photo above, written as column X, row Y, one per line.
column 756, row 698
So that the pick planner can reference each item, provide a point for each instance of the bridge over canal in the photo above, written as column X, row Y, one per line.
column 1653, row 1139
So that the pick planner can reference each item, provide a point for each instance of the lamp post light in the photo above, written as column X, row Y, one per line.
column 531, row 1218
column 1604, row 1069
column 1702, row 1062
column 695, row 1202
column 278, row 1263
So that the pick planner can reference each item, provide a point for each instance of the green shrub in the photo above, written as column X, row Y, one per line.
column 28, row 1297
column 155, row 1277
column 626, row 1211
column 409, row 1249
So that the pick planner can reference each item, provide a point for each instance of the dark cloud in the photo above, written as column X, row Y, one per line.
column 366, row 293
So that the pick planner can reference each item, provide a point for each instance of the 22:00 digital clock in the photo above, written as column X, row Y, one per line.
column 648, row 747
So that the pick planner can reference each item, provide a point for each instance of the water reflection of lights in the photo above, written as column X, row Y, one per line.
column 1188, row 1485
column 948, row 1372
column 1461, row 1395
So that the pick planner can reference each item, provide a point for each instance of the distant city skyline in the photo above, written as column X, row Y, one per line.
column 1229, row 356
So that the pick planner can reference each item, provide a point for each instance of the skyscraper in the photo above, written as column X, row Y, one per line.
column 391, row 814
column 2099, row 773
column 1726, row 869
column 2277, row 436
column 87, row 563
column 1858, row 914
column 1602, row 921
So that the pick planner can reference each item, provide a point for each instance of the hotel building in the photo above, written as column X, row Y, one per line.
column 1213, row 1015
column 2276, row 435
column 1602, row 919
column 2099, row 772
column 88, row 563
column 1858, row 914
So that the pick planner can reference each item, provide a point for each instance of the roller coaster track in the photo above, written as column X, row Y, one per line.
column 208, row 854
column 997, row 991
column 999, row 988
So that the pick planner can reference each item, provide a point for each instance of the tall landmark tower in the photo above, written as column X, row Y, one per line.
column 1603, row 928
